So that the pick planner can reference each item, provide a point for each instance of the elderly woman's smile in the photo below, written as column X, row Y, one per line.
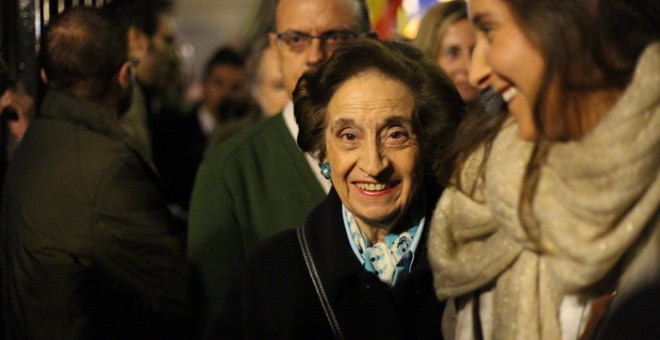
column 376, row 188
column 372, row 148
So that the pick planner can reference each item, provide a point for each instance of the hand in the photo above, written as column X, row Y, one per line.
column 19, row 101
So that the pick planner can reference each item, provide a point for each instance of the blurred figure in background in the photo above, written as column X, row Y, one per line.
column 267, row 85
column 88, row 247
column 15, row 101
column 222, row 78
column 151, row 31
column 156, row 114
column 180, row 140
column 16, row 110
column 445, row 36
column 267, row 95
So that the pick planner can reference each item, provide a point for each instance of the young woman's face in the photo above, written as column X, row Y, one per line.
column 372, row 148
column 505, row 59
column 454, row 57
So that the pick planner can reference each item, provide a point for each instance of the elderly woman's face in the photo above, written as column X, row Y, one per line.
column 372, row 148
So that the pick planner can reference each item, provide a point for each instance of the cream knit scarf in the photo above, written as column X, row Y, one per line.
column 595, row 198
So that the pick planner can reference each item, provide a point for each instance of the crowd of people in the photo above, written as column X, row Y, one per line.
column 497, row 177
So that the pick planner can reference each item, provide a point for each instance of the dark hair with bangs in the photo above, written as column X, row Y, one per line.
column 438, row 107
column 83, row 50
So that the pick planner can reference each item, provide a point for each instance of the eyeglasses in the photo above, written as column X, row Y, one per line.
column 298, row 42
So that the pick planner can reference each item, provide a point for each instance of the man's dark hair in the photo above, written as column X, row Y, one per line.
column 225, row 56
column 82, row 52
column 142, row 14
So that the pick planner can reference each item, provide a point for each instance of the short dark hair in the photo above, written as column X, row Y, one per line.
column 438, row 108
column 361, row 20
column 225, row 56
column 83, row 50
column 142, row 14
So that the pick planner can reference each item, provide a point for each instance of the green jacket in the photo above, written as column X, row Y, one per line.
column 247, row 189
column 88, row 249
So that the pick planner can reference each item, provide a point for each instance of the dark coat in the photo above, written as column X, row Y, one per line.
column 178, row 145
column 88, row 250
column 248, row 189
column 273, row 296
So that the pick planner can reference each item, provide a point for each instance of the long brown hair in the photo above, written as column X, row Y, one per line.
column 588, row 45
column 480, row 126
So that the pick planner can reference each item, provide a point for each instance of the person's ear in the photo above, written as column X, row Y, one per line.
column 43, row 75
column 124, row 76
column 138, row 42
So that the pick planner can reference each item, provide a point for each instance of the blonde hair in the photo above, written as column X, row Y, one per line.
column 435, row 24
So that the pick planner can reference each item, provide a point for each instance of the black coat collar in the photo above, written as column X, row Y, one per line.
column 336, row 262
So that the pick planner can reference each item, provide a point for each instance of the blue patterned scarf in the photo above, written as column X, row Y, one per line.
column 386, row 259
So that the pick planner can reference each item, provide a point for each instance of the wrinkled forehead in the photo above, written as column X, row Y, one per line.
column 316, row 16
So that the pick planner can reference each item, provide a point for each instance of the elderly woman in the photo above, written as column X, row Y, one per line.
column 446, row 37
column 375, row 115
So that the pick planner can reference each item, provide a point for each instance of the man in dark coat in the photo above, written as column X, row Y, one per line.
column 88, row 247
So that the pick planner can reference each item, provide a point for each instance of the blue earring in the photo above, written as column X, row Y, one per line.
column 325, row 170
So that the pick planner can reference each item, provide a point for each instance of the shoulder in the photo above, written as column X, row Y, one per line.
column 271, row 272
column 277, row 253
column 278, row 262
column 63, row 142
column 247, row 143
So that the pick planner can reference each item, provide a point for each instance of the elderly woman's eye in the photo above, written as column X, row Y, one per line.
column 398, row 134
column 348, row 136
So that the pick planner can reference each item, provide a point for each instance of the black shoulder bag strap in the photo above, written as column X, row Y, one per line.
column 318, row 285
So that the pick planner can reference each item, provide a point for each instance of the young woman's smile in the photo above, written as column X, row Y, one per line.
column 505, row 59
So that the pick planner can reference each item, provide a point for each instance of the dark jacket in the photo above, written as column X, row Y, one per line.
column 273, row 296
column 178, row 145
column 87, row 246
column 247, row 189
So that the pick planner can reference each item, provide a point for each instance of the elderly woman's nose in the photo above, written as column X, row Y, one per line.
column 373, row 161
column 479, row 71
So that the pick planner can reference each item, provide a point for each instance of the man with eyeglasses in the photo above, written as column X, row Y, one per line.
column 258, row 182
